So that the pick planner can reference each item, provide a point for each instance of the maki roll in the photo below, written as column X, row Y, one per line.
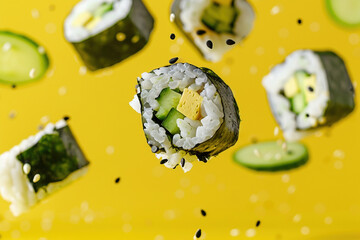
column 214, row 26
column 105, row 32
column 309, row 90
column 188, row 114
column 40, row 165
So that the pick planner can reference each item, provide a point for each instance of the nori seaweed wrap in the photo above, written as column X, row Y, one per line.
column 39, row 166
column 311, row 89
column 188, row 113
column 105, row 33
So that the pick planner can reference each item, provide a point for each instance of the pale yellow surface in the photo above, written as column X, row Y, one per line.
column 190, row 104
column 155, row 203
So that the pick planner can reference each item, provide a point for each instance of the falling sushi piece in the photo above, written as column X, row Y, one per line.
column 39, row 166
column 309, row 90
column 272, row 156
column 214, row 26
column 344, row 12
column 188, row 114
column 21, row 59
column 106, row 32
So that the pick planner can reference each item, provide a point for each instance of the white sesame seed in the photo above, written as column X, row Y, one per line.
column 234, row 232
column 297, row 218
column 6, row 47
column 285, row 178
column 256, row 152
column 82, row 70
column 250, row 232
column 110, row 150
column 339, row 154
column 328, row 220
column 36, row 178
column 276, row 131
column 275, row 10
column 44, row 119
column 26, row 168
column 62, row 91
column 284, row 146
column 35, row 13
column 41, row 50
column 291, row 189
column 172, row 17
column 254, row 198
column 305, row 230
column 32, row 73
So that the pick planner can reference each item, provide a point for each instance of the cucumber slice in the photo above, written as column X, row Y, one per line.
column 270, row 156
column 103, row 9
column 298, row 103
column 168, row 99
column 344, row 12
column 21, row 59
column 170, row 122
column 219, row 18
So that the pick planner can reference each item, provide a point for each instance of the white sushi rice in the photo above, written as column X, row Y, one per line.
column 292, row 125
column 190, row 15
column 192, row 132
column 121, row 9
column 15, row 186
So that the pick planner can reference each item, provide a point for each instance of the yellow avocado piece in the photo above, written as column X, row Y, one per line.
column 310, row 84
column 291, row 88
column 82, row 19
column 190, row 104
column 93, row 23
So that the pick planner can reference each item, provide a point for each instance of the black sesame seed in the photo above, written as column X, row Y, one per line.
column 216, row 4
column 198, row 233
column 258, row 223
column 13, row 86
column 311, row 89
column 175, row 166
column 200, row 32
column 299, row 21
column 117, row 180
column 173, row 60
column 66, row 118
column 203, row 212
column 230, row 42
column 351, row 89
column 183, row 162
column 233, row 3
column 154, row 149
column 163, row 161
column 172, row 36
column 209, row 44
column 307, row 115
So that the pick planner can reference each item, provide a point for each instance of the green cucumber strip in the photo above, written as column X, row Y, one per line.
column 219, row 18
column 21, row 59
column 170, row 122
column 298, row 103
column 271, row 156
column 103, row 9
column 344, row 12
column 168, row 99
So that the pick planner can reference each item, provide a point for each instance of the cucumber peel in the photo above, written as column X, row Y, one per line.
column 344, row 12
column 272, row 156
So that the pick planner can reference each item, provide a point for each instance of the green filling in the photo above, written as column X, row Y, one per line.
column 220, row 18
column 50, row 160
column 170, row 122
column 103, row 9
column 168, row 99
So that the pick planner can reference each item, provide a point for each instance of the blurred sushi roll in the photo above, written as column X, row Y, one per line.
column 105, row 32
column 214, row 27
column 39, row 166
column 188, row 114
column 309, row 90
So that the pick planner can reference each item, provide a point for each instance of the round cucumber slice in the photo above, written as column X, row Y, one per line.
column 272, row 156
column 344, row 12
column 21, row 59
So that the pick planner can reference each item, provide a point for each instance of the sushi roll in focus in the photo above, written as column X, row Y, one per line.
column 309, row 90
column 40, row 165
column 105, row 32
column 188, row 114
column 214, row 26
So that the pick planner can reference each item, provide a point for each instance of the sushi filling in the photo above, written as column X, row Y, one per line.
column 39, row 166
column 90, row 17
column 298, row 93
column 216, row 22
column 181, row 108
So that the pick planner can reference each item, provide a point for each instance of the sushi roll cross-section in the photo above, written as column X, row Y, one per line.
column 188, row 114
column 40, row 165
column 214, row 26
column 309, row 90
column 105, row 32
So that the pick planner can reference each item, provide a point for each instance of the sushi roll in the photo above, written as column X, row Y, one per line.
column 188, row 114
column 105, row 32
column 309, row 90
column 39, row 166
column 213, row 26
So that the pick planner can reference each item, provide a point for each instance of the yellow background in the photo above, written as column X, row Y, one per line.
column 155, row 203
